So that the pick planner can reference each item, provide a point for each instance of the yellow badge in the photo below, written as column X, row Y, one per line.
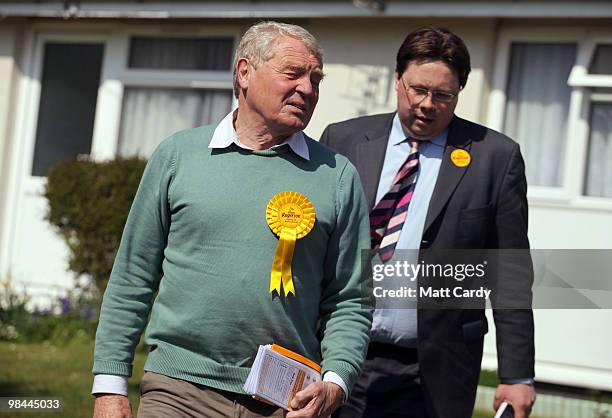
column 461, row 158
column 291, row 216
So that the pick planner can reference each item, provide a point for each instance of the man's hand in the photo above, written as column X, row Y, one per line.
column 520, row 396
column 112, row 406
column 319, row 399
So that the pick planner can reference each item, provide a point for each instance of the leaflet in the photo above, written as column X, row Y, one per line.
column 278, row 374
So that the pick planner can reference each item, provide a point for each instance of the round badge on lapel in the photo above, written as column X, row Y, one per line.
column 460, row 157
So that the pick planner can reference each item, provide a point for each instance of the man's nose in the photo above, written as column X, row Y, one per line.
column 427, row 102
column 305, row 86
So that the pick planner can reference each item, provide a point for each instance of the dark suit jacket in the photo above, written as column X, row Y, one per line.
column 480, row 206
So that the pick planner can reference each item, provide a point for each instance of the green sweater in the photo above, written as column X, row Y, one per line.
column 197, row 234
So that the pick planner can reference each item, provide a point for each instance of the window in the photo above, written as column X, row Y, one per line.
column 599, row 163
column 537, row 107
column 151, row 114
column 173, row 84
column 67, row 103
column 181, row 54
column 595, row 81
column 602, row 60
column 553, row 94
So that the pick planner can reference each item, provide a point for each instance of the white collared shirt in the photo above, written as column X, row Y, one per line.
column 225, row 135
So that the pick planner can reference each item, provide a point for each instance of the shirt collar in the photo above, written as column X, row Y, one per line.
column 225, row 135
column 397, row 135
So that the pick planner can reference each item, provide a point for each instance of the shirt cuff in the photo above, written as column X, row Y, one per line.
column 518, row 381
column 333, row 377
column 110, row 383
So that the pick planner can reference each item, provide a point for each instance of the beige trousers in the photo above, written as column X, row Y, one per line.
column 163, row 396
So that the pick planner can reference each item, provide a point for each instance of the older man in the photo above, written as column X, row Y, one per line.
column 202, row 233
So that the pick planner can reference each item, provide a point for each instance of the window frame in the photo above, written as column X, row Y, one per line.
column 27, row 121
column 22, row 185
column 571, row 191
column 592, row 98
column 579, row 77
column 117, row 76
column 199, row 79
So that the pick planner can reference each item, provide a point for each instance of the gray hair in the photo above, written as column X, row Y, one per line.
column 257, row 44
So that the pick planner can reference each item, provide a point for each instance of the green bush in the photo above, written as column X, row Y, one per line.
column 88, row 203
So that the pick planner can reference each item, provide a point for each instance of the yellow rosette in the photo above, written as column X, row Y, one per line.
column 291, row 216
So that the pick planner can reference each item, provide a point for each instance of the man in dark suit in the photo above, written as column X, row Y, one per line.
column 451, row 184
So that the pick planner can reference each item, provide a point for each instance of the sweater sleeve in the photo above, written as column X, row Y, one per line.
column 346, row 317
column 137, row 269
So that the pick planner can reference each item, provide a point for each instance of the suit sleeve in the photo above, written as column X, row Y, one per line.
column 325, row 136
column 512, row 307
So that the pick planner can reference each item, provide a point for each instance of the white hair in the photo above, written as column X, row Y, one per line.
column 257, row 44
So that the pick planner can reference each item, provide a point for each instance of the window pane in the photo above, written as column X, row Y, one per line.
column 599, row 169
column 181, row 53
column 67, row 103
column 151, row 114
column 602, row 60
column 537, row 107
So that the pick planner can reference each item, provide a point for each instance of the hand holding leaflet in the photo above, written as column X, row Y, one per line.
column 278, row 374
column 505, row 411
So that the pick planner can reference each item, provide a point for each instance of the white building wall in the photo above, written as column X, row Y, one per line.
column 572, row 345
column 8, row 81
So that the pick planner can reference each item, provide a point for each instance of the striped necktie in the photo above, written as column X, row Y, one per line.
column 388, row 216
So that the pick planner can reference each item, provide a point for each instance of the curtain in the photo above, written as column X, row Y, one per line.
column 599, row 163
column 181, row 53
column 537, row 107
column 151, row 114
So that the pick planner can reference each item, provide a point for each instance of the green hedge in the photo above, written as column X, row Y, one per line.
column 88, row 203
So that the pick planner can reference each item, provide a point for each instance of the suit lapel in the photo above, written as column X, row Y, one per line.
column 450, row 175
column 371, row 157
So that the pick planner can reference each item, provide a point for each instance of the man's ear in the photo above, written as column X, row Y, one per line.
column 243, row 72
column 397, row 80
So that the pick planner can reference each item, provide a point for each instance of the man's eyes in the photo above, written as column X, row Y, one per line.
column 294, row 75
column 294, row 72
column 443, row 95
column 438, row 95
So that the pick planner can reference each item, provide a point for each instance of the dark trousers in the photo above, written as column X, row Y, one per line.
column 389, row 385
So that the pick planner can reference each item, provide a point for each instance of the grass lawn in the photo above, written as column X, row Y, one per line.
column 54, row 371
column 63, row 372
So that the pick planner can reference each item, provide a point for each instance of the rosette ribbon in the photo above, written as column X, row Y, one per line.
column 291, row 216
